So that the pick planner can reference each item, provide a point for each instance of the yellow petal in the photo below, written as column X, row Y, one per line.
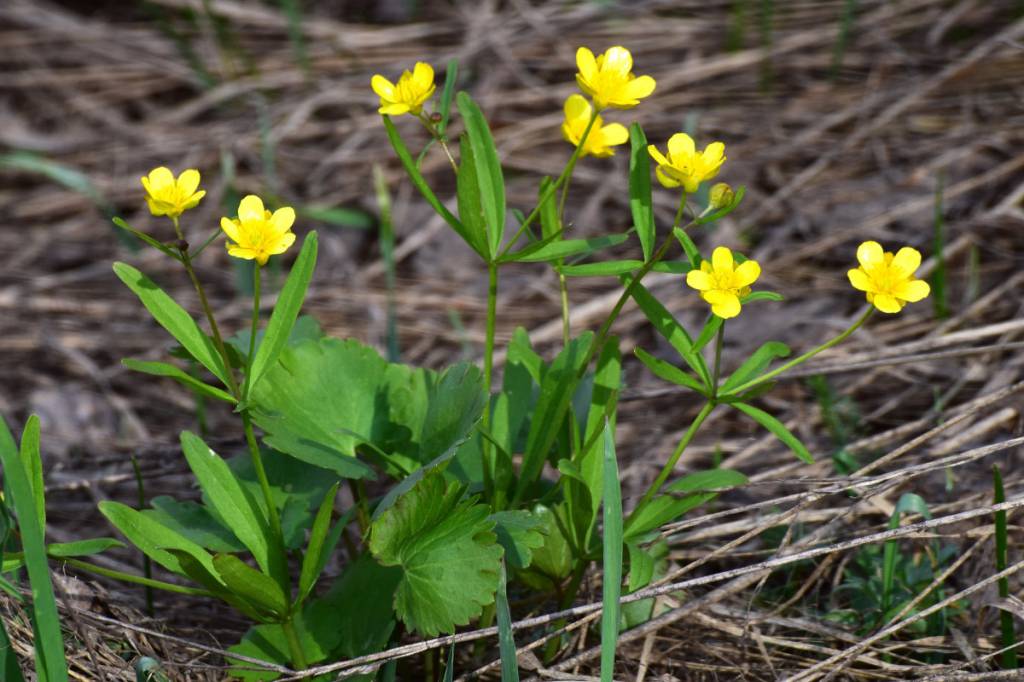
column 188, row 182
column 747, row 273
column 725, row 304
column 423, row 75
column 157, row 208
column 657, row 156
column 887, row 303
column 242, row 252
column 913, row 291
column 230, row 228
column 870, row 254
column 586, row 63
column 665, row 179
column 251, row 210
column 639, row 87
column 160, row 178
column 394, row 109
column 907, row 260
column 699, row 280
column 577, row 107
column 615, row 134
column 282, row 244
column 721, row 260
column 618, row 60
column 283, row 219
column 384, row 88
column 680, row 148
column 859, row 279
column 193, row 201
column 714, row 154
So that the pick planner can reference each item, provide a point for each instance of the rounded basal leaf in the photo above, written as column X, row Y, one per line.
column 323, row 399
column 519, row 533
column 448, row 552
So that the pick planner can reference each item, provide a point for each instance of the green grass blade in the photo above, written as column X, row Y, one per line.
column 386, row 239
column 506, row 640
column 612, row 581
column 1009, row 658
column 49, row 643
column 940, row 296
column 9, row 670
column 33, row 463
column 293, row 11
column 843, row 39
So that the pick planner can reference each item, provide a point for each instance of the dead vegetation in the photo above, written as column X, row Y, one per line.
column 835, row 145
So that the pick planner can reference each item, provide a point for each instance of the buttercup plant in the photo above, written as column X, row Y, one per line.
column 447, row 470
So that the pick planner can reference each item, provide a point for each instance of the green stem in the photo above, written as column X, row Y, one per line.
column 564, row 289
column 294, row 646
column 566, row 172
column 147, row 567
column 429, row 125
column 670, row 465
column 719, row 341
column 492, row 312
column 255, row 326
column 277, row 555
column 138, row 580
column 806, row 356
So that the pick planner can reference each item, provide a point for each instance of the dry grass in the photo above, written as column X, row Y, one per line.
column 928, row 89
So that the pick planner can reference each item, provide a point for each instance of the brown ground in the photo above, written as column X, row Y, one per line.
column 928, row 94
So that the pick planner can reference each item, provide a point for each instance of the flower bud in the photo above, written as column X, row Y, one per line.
column 721, row 195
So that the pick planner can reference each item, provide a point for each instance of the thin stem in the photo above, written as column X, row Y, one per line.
column 718, row 359
column 670, row 465
column 294, row 646
column 679, row 212
column 806, row 356
column 138, row 580
column 255, row 326
column 429, row 125
column 277, row 555
column 147, row 567
column 492, row 310
column 566, row 173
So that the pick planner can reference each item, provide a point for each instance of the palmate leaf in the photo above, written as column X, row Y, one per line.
column 324, row 399
column 448, row 553
column 519, row 533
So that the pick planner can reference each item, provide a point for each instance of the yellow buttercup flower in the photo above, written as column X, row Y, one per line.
column 259, row 234
column 169, row 196
column 685, row 165
column 409, row 94
column 600, row 139
column 722, row 283
column 887, row 279
column 609, row 79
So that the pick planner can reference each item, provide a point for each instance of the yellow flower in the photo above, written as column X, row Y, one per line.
column 600, row 139
column 170, row 197
column 685, row 165
column 409, row 95
column 722, row 283
column 257, row 232
column 609, row 79
column 887, row 279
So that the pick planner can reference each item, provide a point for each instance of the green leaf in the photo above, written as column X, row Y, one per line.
column 553, row 560
column 232, row 502
column 672, row 267
column 521, row 352
column 49, row 643
column 451, row 75
column 470, row 202
column 487, row 173
column 669, row 372
column 421, row 184
column 708, row 481
column 611, row 581
column 550, row 225
column 154, row 539
column 311, row 562
column 195, row 522
column 9, row 670
column 725, row 210
column 762, row 296
column 506, row 638
column 556, row 392
column 447, row 550
column 82, row 547
column 688, row 246
column 778, row 428
column 661, row 510
column 163, row 369
column 673, row 332
column 286, row 310
column 174, row 319
column 564, row 248
column 322, row 401
column 32, row 460
column 519, row 533
column 255, row 587
column 338, row 216
column 640, row 204
column 602, row 269
column 707, row 332
column 755, row 365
